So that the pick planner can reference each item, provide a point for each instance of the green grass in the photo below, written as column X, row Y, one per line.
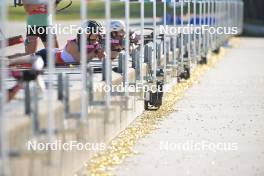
column 96, row 10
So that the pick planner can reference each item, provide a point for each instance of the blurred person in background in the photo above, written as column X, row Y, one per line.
column 117, row 38
column 38, row 19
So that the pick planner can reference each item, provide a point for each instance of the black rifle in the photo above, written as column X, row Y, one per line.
column 148, row 35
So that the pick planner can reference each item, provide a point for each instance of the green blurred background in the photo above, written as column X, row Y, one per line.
column 253, row 13
column 96, row 10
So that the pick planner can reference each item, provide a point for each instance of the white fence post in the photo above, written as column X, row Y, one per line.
column 142, row 24
column 154, row 60
column 84, row 96
column 4, row 142
column 127, row 15
column 108, row 52
column 51, row 70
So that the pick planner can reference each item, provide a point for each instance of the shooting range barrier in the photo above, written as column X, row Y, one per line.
column 75, row 106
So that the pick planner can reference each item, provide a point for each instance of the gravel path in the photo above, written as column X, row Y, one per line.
column 219, row 127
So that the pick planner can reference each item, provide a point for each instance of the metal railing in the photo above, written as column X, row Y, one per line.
column 156, row 57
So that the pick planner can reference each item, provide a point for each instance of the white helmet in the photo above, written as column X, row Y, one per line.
column 117, row 25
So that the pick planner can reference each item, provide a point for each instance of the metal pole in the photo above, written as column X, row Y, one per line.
column 208, row 21
column 228, row 15
column 204, row 23
column 126, row 81
column 60, row 86
column 51, row 69
column 34, row 106
column 221, row 17
column 4, row 142
column 235, row 19
column 182, row 35
column 200, row 25
column 225, row 12
column 165, row 38
column 154, row 61
column 213, row 20
column 108, row 52
column 241, row 16
column 214, row 24
column 221, row 8
column 231, row 14
column 84, row 98
column 142, row 14
column 189, row 26
column 217, row 23
column 221, row 21
column 174, row 38
column 27, row 99
column 66, row 95
column 194, row 24
column 237, row 14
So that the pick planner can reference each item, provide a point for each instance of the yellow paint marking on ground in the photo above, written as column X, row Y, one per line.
column 123, row 145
